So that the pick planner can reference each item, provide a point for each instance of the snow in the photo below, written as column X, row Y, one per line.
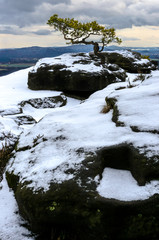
column 71, row 62
column 120, row 184
column 67, row 60
column 129, row 54
column 10, row 222
column 142, row 61
column 14, row 89
column 60, row 132
column 138, row 106
column 83, row 126
column 124, row 53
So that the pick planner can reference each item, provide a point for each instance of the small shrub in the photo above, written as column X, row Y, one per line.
column 105, row 109
column 145, row 57
column 141, row 77
column 36, row 140
column 129, row 84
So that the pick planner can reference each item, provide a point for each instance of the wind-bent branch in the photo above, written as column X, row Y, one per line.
column 76, row 32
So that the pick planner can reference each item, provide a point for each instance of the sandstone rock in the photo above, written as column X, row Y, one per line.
column 73, row 204
column 79, row 75
column 47, row 102
column 24, row 119
column 130, row 61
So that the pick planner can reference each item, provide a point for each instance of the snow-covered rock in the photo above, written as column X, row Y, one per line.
column 59, row 169
column 16, row 115
column 88, row 169
column 46, row 102
column 130, row 61
column 74, row 73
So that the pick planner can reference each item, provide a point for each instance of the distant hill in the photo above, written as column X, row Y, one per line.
column 32, row 54
column 14, row 59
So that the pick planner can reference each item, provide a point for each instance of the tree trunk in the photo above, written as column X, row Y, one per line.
column 97, row 53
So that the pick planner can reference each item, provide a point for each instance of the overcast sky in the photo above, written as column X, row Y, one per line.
column 23, row 23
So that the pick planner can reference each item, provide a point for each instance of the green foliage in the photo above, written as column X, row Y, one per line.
column 53, row 206
column 76, row 32
column 145, row 57
column 141, row 77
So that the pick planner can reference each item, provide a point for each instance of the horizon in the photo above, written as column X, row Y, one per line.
column 73, row 45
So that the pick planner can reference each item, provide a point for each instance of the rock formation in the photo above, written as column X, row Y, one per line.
column 83, row 74
column 59, row 164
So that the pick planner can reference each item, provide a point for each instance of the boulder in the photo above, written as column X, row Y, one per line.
column 73, row 73
column 24, row 119
column 46, row 102
column 74, row 204
column 130, row 61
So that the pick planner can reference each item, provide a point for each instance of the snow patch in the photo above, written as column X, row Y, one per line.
column 120, row 185
column 10, row 221
column 68, row 60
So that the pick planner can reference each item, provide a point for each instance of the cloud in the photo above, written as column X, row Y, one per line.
column 15, row 30
column 42, row 32
column 25, row 13
column 130, row 39
column 120, row 14
column 19, row 17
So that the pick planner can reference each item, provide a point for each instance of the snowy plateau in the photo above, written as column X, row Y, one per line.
column 61, row 137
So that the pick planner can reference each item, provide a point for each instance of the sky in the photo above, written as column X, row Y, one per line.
column 23, row 23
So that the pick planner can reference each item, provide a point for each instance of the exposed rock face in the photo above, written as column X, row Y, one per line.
column 79, row 74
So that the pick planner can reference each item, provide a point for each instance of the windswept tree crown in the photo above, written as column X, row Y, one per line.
column 76, row 32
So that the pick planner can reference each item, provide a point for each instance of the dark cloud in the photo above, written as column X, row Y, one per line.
column 19, row 31
column 23, row 13
column 11, row 30
column 119, row 14
column 28, row 5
